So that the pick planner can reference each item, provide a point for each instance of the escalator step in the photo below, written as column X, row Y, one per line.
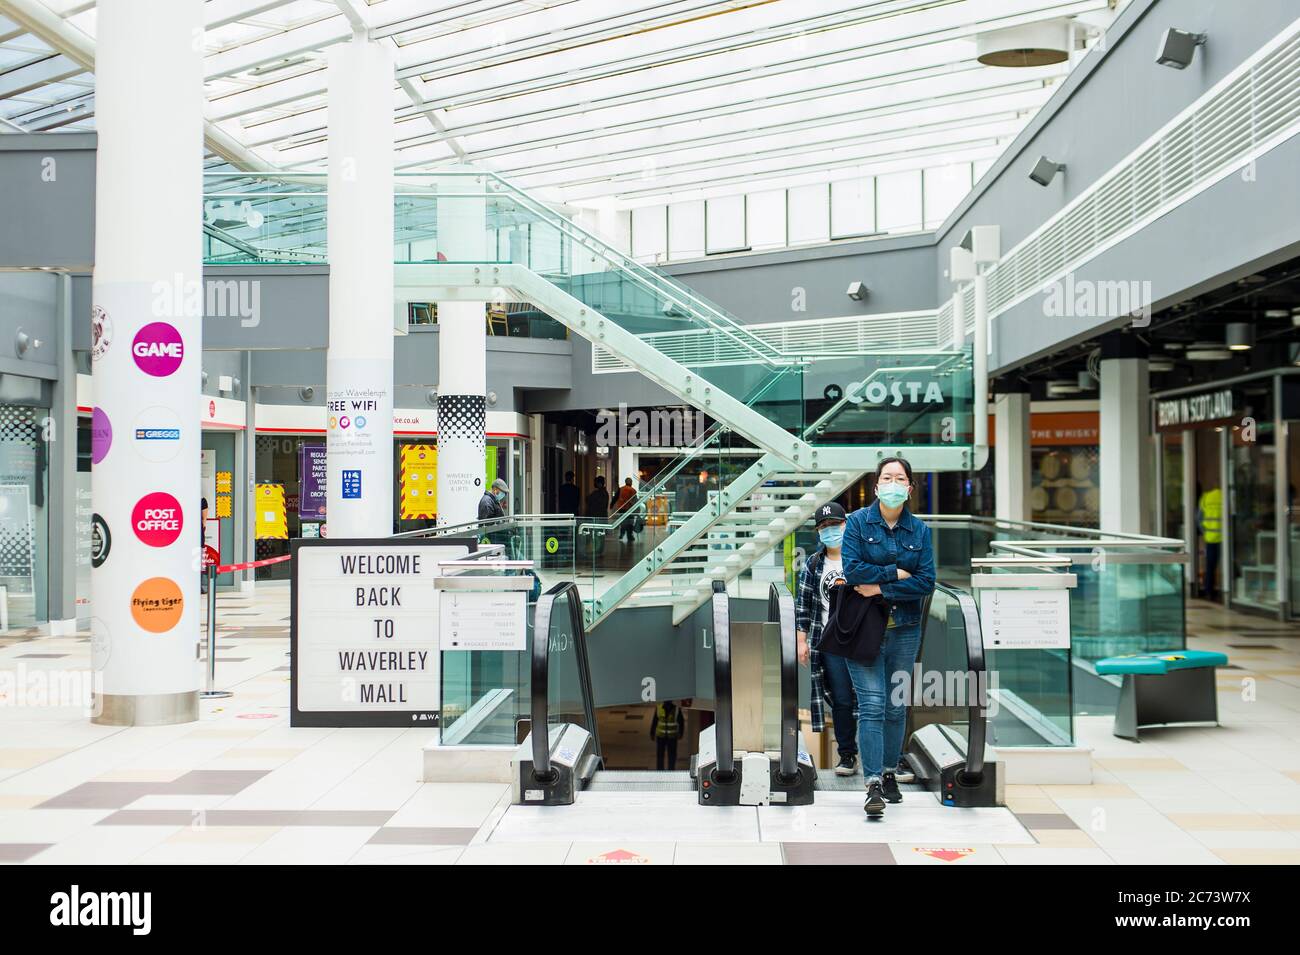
column 620, row 780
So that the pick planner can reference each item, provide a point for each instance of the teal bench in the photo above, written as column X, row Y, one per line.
column 1164, row 687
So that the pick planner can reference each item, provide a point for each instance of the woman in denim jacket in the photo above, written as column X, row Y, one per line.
column 887, row 552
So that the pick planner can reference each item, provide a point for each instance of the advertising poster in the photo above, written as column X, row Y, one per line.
column 272, row 513
column 419, row 481
column 311, row 467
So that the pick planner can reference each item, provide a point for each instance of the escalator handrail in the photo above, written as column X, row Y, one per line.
column 976, row 710
column 722, row 699
column 539, row 704
column 780, row 610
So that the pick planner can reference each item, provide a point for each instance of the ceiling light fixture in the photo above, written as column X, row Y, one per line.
column 1207, row 351
column 1240, row 336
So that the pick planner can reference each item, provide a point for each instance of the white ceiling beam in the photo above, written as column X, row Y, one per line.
column 52, row 69
column 41, row 22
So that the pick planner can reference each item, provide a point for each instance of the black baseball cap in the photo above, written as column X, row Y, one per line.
column 829, row 511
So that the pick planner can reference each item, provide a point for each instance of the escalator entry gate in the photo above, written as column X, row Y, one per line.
column 938, row 754
column 573, row 761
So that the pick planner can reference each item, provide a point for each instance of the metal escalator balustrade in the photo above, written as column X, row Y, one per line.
column 558, row 759
column 949, row 762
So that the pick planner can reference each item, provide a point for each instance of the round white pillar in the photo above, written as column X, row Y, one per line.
column 359, row 363
column 462, row 360
column 147, row 345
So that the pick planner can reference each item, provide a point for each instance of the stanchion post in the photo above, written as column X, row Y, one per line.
column 211, row 692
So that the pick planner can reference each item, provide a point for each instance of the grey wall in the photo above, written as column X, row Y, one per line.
column 1230, row 230
column 47, row 200
column 29, row 301
column 898, row 270
column 515, row 366
column 1108, row 106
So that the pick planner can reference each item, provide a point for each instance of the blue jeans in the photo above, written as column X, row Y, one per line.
column 835, row 671
column 882, row 699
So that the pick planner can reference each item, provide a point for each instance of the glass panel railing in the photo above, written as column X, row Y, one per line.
column 1128, row 599
column 547, row 540
column 875, row 398
column 484, row 693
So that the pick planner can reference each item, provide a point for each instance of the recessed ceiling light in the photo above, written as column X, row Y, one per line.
column 1207, row 351
column 1276, row 313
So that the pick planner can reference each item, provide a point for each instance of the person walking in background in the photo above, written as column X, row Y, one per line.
column 492, row 504
column 830, row 673
column 570, row 498
column 597, row 507
column 1209, row 520
column 666, row 728
column 887, row 553
column 623, row 500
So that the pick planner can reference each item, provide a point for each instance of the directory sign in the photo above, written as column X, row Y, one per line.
column 364, row 630
column 1020, row 619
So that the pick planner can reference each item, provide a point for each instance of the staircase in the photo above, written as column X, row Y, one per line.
column 774, row 393
column 754, row 526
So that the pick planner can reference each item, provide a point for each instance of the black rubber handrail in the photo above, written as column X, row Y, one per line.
column 539, row 705
column 780, row 610
column 976, row 709
column 723, row 738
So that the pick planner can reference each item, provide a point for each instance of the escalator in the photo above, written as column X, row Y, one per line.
column 947, row 728
column 753, row 754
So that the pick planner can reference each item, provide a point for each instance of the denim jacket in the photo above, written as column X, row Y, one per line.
column 874, row 552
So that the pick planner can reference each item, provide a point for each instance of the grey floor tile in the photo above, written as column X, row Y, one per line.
column 422, row 836
column 1046, row 820
column 101, row 795
column 21, row 851
column 837, row 853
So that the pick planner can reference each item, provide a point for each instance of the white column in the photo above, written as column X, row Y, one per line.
column 462, row 360
column 1125, row 446
column 1012, row 482
column 147, row 342
column 359, row 364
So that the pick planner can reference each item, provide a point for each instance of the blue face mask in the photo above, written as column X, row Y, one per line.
column 891, row 495
column 831, row 536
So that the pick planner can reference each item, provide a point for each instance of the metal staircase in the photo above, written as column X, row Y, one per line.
column 755, row 525
column 812, row 406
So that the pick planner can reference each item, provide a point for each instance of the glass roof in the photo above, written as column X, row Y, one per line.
column 594, row 102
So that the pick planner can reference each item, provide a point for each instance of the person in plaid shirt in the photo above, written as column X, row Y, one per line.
column 830, row 673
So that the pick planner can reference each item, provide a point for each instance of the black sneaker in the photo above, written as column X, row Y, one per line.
column 847, row 766
column 889, row 788
column 875, row 804
column 904, row 771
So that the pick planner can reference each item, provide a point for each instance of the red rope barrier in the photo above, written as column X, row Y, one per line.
column 227, row 568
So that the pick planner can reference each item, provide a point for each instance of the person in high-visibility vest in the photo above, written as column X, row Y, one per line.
column 1209, row 518
column 666, row 729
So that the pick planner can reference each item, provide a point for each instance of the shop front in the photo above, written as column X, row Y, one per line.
column 290, row 474
column 1227, row 473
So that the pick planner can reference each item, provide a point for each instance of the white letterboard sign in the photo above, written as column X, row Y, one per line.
column 1013, row 619
column 364, row 631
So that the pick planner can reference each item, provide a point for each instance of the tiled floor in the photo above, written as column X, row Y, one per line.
column 241, row 786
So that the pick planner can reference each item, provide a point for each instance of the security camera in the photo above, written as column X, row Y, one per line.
column 1045, row 170
column 1177, row 47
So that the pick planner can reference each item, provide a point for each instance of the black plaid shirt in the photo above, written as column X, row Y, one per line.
column 808, row 619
